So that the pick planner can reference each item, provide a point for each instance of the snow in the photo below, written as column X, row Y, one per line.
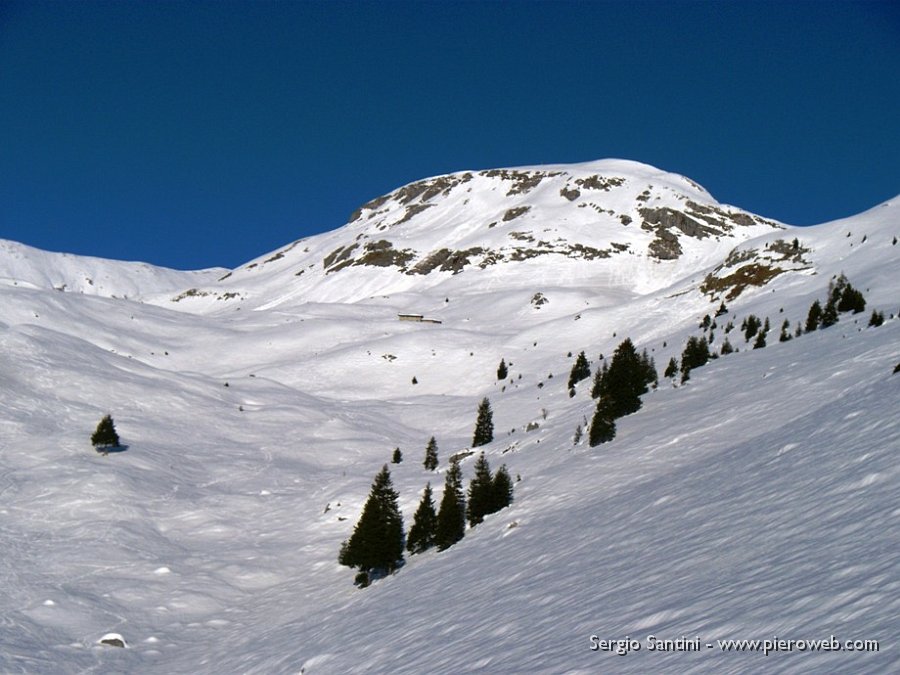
column 758, row 500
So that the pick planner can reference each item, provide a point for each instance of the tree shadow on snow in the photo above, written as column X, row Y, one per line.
column 111, row 449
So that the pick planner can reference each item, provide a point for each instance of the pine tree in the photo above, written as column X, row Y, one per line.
column 502, row 370
column 451, row 517
column 625, row 381
column 431, row 456
column 105, row 435
column 501, row 490
column 397, row 457
column 648, row 365
column 672, row 368
column 851, row 300
column 597, row 386
column 751, row 325
column 760, row 341
column 785, row 331
column 726, row 347
column 695, row 354
column 376, row 545
column 581, row 370
column 876, row 319
column 830, row 314
column 722, row 309
column 814, row 317
column 603, row 424
column 480, row 492
column 484, row 425
column 421, row 534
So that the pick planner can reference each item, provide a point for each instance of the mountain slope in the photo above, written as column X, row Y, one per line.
column 756, row 500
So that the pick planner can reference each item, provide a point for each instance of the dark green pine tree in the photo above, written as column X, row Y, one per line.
column 484, row 425
column 722, row 309
column 760, row 340
column 625, row 381
column 814, row 317
column 421, row 534
column 597, row 386
column 830, row 314
column 480, row 492
column 501, row 490
column 695, row 354
column 105, row 435
column 451, row 517
column 502, row 370
column 877, row 318
column 648, row 364
column 397, row 457
column 581, row 370
column 726, row 347
column 672, row 368
column 851, row 300
column 785, row 331
column 431, row 456
column 603, row 424
column 376, row 546
column 751, row 325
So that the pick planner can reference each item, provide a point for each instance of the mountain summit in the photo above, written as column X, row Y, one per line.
column 606, row 223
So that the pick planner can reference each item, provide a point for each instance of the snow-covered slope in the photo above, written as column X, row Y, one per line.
column 757, row 500
column 28, row 267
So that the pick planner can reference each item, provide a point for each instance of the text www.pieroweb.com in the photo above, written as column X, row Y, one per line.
column 652, row 643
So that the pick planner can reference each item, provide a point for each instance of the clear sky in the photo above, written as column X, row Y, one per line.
column 199, row 134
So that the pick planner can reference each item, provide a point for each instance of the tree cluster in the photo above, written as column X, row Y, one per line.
column 842, row 297
column 619, row 388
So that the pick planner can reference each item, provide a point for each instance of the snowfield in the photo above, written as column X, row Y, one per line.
column 758, row 501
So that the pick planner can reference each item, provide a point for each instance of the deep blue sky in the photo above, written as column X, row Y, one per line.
column 208, row 133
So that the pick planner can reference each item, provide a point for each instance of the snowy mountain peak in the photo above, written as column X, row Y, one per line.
column 612, row 222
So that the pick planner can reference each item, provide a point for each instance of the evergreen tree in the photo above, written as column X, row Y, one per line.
column 672, row 368
column 830, row 314
column 451, row 517
column 397, row 457
column 876, row 319
column 751, row 326
column 785, row 331
column 851, row 300
column 581, row 370
column 625, row 381
column 480, row 492
column 648, row 364
column 105, row 435
column 502, row 370
column 484, row 425
column 603, row 424
column 431, row 456
column 722, row 309
column 421, row 534
column 376, row 545
column 597, row 385
column 695, row 354
column 760, row 341
column 814, row 317
column 501, row 490
column 726, row 347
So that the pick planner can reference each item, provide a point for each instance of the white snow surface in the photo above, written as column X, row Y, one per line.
column 759, row 500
